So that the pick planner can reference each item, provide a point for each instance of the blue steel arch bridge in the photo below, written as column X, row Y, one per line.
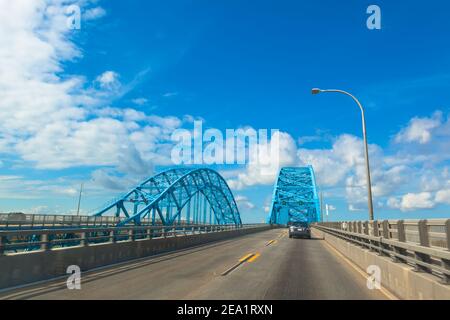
column 295, row 197
column 182, row 195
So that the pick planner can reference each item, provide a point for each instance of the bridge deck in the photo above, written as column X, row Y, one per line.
column 280, row 268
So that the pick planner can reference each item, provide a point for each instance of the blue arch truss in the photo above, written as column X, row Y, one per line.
column 295, row 197
column 190, row 196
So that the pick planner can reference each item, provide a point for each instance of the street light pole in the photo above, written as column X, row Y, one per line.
column 79, row 200
column 366, row 147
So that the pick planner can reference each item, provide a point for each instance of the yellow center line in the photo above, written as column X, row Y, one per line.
column 270, row 242
column 241, row 261
column 246, row 257
column 256, row 256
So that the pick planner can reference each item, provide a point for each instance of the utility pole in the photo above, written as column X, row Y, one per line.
column 79, row 200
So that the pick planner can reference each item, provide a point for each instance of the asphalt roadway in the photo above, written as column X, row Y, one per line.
column 264, row 265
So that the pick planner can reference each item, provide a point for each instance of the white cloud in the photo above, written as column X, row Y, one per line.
column 243, row 202
column 419, row 129
column 57, row 121
column 333, row 165
column 407, row 179
column 264, row 170
column 140, row 101
column 443, row 196
column 109, row 80
column 170, row 94
column 94, row 13
column 412, row 201
column 108, row 180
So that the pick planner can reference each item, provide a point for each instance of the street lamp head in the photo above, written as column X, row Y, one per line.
column 316, row 91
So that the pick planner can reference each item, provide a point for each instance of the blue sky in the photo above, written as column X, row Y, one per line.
column 98, row 105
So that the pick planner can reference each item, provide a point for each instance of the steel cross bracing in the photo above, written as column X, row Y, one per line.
column 190, row 196
column 295, row 197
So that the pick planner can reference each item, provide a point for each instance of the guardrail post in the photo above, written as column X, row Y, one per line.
column 446, row 265
column 83, row 239
column 112, row 237
column 375, row 228
column 423, row 233
column 2, row 250
column 385, row 229
column 447, row 231
column 375, row 233
column 45, row 245
column 425, row 242
column 131, row 235
column 366, row 226
column 401, row 237
column 385, row 235
column 359, row 227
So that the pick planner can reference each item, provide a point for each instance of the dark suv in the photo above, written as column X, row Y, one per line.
column 299, row 230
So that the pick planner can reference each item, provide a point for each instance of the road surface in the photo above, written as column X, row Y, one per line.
column 265, row 265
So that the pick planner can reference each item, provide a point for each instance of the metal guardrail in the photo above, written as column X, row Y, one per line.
column 25, row 241
column 423, row 244
column 41, row 221
column 18, row 220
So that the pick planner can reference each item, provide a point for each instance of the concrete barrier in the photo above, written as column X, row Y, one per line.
column 26, row 268
column 399, row 278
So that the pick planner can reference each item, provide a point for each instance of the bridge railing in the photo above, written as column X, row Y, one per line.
column 42, row 221
column 423, row 244
column 24, row 241
column 19, row 220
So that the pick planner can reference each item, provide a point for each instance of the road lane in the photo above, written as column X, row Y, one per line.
column 265, row 265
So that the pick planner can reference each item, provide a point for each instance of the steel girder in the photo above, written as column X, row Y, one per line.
column 295, row 197
column 162, row 198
